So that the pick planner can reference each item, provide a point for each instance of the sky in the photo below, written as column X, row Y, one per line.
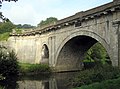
column 33, row 11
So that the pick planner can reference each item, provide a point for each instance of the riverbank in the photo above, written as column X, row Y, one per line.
column 108, row 84
column 30, row 69
column 103, row 75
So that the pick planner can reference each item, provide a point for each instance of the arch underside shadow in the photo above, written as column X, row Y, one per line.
column 72, row 50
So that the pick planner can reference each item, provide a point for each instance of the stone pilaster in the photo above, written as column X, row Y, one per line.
column 117, row 26
column 119, row 44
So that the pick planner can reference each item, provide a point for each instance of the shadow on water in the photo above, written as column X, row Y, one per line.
column 54, row 81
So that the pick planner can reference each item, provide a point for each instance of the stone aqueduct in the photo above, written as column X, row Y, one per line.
column 62, row 45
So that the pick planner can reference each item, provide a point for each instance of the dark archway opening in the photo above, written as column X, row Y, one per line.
column 45, row 54
column 74, row 52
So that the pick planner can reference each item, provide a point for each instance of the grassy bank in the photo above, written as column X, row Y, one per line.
column 93, row 75
column 26, row 68
column 4, row 36
column 108, row 84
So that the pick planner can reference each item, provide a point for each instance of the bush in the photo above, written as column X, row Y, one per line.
column 1, row 77
column 8, row 63
column 108, row 84
column 96, row 74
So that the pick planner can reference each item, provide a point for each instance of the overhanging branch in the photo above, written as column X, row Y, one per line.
column 7, row 1
column 1, row 16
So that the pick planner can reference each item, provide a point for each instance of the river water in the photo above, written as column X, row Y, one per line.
column 54, row 81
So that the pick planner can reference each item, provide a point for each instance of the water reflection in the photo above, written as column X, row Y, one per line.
column 56, row 81
column 28, row 84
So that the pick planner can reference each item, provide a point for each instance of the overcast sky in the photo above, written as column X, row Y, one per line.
column 33, row 11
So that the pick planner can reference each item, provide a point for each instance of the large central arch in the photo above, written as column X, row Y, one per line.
column 71, row 51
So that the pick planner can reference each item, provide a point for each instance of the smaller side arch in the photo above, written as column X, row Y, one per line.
column 45, row 54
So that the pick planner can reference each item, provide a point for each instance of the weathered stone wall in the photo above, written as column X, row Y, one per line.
column 25, row 48
column 101, row 29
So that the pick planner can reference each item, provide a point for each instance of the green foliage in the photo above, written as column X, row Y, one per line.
column 99, row 70
column 4, row 36
column 108, row 84
column 47, row 21
column 34, row 68
column 18, row 31
column 96, row 74
column 8, row 63
column 24, row 26
column 6, row 27
column 20, row 28
column 1, row 77
column 96, row 53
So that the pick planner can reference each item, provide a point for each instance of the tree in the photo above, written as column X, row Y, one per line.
column 97, row 53
column 6, row 27
column 47, row 21
column 8, row 62
column 24, row 26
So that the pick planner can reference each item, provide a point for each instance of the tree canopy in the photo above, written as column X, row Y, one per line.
column 24, row 26
column 6, row 27
column 97, row 53
column 47, row 21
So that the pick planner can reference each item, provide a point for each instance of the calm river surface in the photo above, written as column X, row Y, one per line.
column 54, row 81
